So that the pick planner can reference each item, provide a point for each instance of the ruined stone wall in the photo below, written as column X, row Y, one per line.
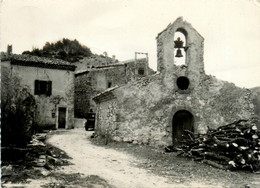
column 62, row 92
column 144, row 110
column 94, row 61
column 94, row 81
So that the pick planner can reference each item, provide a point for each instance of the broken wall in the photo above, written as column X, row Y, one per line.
column 93, row 82
column 90, row 83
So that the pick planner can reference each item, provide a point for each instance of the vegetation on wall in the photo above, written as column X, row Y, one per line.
column 18, row 112
column 65, row 49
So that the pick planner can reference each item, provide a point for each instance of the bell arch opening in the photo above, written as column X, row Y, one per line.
column 180, row 41
column 182, row 120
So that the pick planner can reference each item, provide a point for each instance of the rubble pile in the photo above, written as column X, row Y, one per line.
column 45, row 155
column 36, row 160
column 234, row 146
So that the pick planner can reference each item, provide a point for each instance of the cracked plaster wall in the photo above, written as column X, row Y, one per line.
column 62, row 92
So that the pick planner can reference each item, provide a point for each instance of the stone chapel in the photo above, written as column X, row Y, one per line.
column 156, row 109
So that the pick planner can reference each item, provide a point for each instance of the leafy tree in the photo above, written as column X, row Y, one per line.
column 65, row 49
column 18, row 112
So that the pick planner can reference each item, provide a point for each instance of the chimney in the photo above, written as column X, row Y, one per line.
column 9, row 49
column 114, row 58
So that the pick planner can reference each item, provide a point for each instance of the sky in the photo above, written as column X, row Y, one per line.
column 231, row 29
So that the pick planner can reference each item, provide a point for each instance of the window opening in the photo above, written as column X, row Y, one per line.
column 183, row 83
column 42, row 87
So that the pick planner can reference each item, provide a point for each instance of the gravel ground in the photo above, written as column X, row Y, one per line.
column 185, row 171
column 124, row 165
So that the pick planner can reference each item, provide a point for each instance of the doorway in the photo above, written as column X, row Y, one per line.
column 62, row 118
column 182, row 120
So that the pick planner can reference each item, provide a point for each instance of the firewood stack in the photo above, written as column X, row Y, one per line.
column 233, row 146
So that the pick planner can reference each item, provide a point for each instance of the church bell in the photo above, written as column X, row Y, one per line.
column 178, row 54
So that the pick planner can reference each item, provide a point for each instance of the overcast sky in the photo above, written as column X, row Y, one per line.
column 231, row 29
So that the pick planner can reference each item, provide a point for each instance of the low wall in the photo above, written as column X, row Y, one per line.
column 79, row 123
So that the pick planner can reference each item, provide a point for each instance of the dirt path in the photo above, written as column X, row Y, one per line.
column 116, row 167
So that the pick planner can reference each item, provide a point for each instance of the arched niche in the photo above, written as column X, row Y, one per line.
column 181, row 34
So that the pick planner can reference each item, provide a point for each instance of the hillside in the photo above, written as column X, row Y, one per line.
column 256, row 89
column 65, row 49
column 257, row 101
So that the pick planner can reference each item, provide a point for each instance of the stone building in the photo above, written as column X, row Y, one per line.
column 99, row 77
column 157, row 108
column 51, row 81
column 93, row 61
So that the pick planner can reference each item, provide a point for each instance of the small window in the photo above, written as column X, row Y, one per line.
column 141, row 71
column 183, row 83
column 42, row 87
column 109, row 84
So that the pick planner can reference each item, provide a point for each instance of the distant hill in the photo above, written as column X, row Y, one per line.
column 256, row 89
column 257, row 102
column 65, row 49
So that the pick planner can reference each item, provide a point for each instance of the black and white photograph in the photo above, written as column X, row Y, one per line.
column 130, row 93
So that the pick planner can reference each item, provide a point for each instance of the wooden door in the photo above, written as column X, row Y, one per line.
column 182, row 120
column 62, row 118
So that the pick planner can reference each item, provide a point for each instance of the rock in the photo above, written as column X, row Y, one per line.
column 127, row 140
column 7, row 170
column 43, row 171
column 145, row 140
column 50, row 160
column 41, row 161
column 49, row 152
column 117, row 139
column 48, row 166
column 135, row 142
column 41, row 136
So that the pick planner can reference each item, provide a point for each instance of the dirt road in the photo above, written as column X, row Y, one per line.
column 116, row 167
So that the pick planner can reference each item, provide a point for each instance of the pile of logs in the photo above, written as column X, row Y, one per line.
column 233, row 146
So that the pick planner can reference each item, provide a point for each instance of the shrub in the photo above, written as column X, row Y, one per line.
column 18, row 112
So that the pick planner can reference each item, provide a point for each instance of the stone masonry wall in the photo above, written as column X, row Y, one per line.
column 145, row 109
column 143, row 112
column 194, row 54
column 94, row 81
column 90, row 84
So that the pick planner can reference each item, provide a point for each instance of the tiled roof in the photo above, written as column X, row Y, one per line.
column 35, row 61
column 105, row 95
column 108, row 94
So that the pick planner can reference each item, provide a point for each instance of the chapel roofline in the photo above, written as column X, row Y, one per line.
column 179, row 19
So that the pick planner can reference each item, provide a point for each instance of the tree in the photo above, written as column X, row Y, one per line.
column 18, row 112
column 65, row 49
